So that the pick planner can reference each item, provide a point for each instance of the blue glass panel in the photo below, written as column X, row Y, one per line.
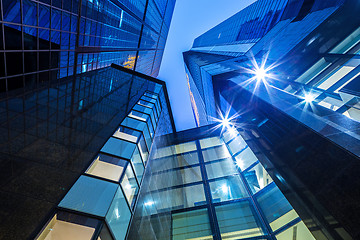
column 228, row 188
column 138, row 164
column 29, row 13
column 119, row 215
column 11, row 10
column 90, row 195
column 119, row 148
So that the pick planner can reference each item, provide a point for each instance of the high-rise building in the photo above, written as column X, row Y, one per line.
column 44, row 41
column 74, row 123
column 292, row 85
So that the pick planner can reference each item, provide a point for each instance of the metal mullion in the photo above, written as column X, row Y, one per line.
column 214, row 225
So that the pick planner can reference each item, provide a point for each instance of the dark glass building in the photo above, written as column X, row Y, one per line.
column 77, row 122
column 290, row 87
column 44, row 41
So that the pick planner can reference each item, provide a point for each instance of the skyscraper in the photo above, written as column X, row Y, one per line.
column 292, row 84
column 66, row 104
column 44, row 41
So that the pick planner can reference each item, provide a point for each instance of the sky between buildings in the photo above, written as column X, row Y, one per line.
column 191, row 18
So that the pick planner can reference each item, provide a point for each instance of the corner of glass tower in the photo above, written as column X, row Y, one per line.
column 287, row 74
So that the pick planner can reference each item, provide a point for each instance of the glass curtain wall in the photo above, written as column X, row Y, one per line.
column 100, row 204
column 212, row 188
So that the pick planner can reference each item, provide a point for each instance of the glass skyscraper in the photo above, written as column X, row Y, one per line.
column 285, row 74
column 77, row 122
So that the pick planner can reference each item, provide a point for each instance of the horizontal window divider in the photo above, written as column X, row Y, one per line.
column 287, row 226
column 89, row 215
column 100, row 178
column 112, row 155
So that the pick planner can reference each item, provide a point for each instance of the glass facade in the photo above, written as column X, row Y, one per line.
column 196, row 189
column 45, row 41
column 283, row 73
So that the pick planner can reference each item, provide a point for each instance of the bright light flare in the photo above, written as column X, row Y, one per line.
column 224, row 188
column 149, row 203
column 309, row 98
column 260, row 74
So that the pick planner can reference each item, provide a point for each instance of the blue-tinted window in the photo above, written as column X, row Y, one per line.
column 119, row 148
column 90, row 195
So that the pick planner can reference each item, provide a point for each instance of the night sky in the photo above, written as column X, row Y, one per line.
column 191, row 18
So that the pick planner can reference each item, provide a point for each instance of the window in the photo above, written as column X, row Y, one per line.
column 69, row 226
column 228, row 188
column 90, row 195
column 191, row 225
column 257, row 178
column 210, row 142
column 127, row 134
column 237, row 221
column 119, row 148
column 107, row 167
column 119, row 215
column 129, row 185
column 215, row 153
column 221, row 168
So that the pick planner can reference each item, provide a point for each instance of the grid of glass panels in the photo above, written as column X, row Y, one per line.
column 216, row 186
column 108, row 190
column 44, row 41
column 331, row 81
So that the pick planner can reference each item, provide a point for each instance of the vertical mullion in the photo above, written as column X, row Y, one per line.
column 211, row 209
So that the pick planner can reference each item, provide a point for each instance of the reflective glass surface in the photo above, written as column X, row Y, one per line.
column 90, row 195
column 118, row 216
column 228, row 188
column 129, row 185
column 108, row 167
column 119, row 148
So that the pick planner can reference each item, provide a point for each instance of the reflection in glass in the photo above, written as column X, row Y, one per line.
column 137, row 164
column 257, row 178
column 119, row 148
column 90, row 195
column 175, row 161
column 129, row 185
column 143, row 149
column 191, row 225
column 108, row 167
column 245, row 158
column 180, row 198
column 237, row 145
column 65, row 226
column 139, row 115
column 228, row 189
column 127, row 134
column 105, row 234
column 276, row 208
column 215, row 153
column 237, row 221
column 185, row 147
column 299, row 232
column 119, row 215
column 210, row 142
column 221, row 168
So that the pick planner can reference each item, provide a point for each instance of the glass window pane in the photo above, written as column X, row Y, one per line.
column 137, row 164
column 149, row 94
column 299, row 232
column 257, row 178
column 139, row 116
column 237, row 145
column 276, row 208
column 129, row 185
column 210, row 142
column 107, row 167
column 180, row 198
column 90, row 195
column 127, row 134
column 228, row 189
column 191, row 225
column 245, row 159
column 143, row 149
column 105, row 234
column 215, row 153
column 133, row 123
column 119, row 215
column 179, row 177
column 143, row 109
column 69, row 226
column 185, row 147
column 119, row 148
column 221, row 168
column 149, row 99
column 185, row 159
column 237, row 221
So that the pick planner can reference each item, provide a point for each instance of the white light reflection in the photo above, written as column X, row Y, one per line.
column 148, row 203
column 225, row 188
column 309, row 98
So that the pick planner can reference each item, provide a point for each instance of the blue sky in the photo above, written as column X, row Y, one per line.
column 191, row 18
